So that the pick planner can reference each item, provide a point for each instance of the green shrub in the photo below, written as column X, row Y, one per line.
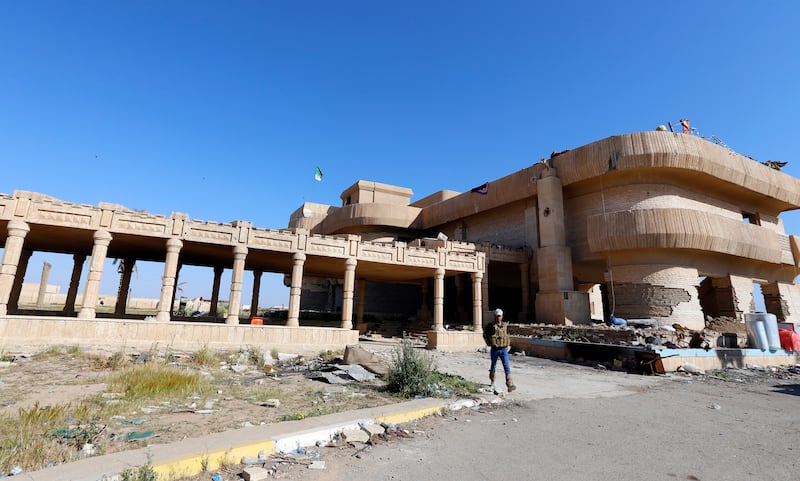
column 411, row 372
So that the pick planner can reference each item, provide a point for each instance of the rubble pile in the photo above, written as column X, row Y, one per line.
column 718, row 332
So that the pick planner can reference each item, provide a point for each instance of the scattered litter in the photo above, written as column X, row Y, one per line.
column 134, row 422
column 271, row 403
column 714, row 406
column 134, row 436
column 690, row 368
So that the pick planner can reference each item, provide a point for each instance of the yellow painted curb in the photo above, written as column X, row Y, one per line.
column 181, row 468
column 404, row 417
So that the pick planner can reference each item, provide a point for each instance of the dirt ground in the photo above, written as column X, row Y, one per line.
column 241, row 395
column 728, row 425
column 731, row 424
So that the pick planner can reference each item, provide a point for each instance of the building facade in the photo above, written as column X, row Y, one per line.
column 650, row 225
column 654, row 225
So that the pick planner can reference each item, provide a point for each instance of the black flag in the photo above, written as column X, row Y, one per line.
column 481, row 189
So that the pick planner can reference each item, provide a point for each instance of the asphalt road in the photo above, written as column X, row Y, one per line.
column 677, row 429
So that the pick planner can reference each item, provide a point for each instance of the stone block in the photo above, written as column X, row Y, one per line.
column 254, row 473
column 355, row 435
column 373, row 429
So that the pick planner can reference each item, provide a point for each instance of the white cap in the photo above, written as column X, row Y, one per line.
column 498, row 312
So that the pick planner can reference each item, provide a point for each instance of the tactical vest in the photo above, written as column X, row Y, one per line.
column 499, row 336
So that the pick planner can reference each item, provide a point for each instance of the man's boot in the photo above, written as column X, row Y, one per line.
column 510, row 384
column 491, row 378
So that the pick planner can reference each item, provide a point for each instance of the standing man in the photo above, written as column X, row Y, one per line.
column 496, row 337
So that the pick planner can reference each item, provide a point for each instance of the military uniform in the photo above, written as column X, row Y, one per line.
column 496, row 336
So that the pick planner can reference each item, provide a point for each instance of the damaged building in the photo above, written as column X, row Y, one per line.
column 657, row 226
column 650, row 225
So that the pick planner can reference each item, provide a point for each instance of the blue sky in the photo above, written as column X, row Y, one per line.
column 222, row 110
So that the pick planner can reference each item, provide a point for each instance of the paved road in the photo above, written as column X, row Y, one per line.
column 672, row 431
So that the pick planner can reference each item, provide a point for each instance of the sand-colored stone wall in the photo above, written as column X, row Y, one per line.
column 29, row 332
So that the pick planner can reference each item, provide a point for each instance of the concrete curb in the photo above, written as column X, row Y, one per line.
column 192, row 456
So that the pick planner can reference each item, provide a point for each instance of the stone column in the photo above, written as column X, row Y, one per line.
column 438, row 300
column 525, row 283
column 218, row 270
column 43, row 284
column 235, row 301
column 12, row 250
column 347, row 295
column 362, row 299
column 477, row 302
column 293, row 319
column 16, row 289
column 74, row 283
column 256, row 293
column 92, row 292
column 557, row 301
column 168, row 280
column 485, row 289
column 127, row 266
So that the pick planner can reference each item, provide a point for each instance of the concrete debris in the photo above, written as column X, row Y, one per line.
column 329, row 377
column 373, row 429
column 317, row 465
column 271, row 403
column 355, row 354
column 254, row 474
column 336, row 374
column 653, row 323
column 356, row 436
column 359, row 373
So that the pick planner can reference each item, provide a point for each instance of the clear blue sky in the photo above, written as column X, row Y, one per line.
column 222, row 110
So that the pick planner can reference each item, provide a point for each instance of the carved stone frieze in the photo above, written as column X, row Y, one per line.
column 139, row 225
column 421, row 260
column 374, row 254
column 60, row 217
column 315, row 246
column 209, row 235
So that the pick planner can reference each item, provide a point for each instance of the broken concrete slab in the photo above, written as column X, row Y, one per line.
column 254, row 474
column 373, row 429
column 330, row 377
column 355, row 436
column 359, row 373
column 355, row 354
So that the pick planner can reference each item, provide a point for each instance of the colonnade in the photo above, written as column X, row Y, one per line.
column 15, row 258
